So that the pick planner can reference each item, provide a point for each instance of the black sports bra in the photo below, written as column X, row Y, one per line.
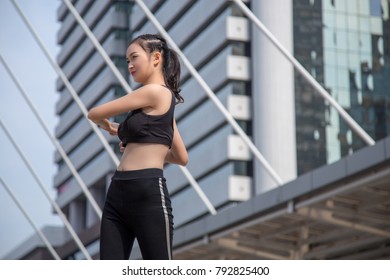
column 139, row 127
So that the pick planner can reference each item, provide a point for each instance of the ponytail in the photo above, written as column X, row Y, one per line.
column 171, row 63
column 171, row 72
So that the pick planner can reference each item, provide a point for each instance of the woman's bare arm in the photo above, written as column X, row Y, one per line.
column 146, row 96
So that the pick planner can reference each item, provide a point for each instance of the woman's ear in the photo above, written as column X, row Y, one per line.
column 156, row 58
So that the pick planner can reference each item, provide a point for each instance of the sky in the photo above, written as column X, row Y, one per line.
column 37, row 77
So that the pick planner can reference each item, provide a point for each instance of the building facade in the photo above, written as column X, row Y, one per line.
column 343, row 44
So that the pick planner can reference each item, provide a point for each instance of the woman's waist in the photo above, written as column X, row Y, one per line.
column 143, row 156
column 144, row 148
column 134, row 164
column 138, row 174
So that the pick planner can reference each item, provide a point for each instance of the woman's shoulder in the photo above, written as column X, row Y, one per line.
column 155, row 87
column 155, row 90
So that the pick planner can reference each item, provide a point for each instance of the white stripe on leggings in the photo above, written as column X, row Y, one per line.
column 166, row 218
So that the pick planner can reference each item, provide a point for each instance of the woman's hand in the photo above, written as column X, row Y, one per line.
column 121, row 147
column 110, row 127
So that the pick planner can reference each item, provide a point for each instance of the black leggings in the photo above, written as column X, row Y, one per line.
column 137, row 206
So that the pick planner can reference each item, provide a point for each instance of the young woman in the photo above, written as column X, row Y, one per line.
column 138, row 203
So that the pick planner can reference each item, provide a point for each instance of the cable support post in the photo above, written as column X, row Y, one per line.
column 309, row 78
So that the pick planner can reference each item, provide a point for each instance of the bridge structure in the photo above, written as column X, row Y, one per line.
column 336, row 211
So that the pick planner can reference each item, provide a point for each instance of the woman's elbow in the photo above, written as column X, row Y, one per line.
column 92, row 115
column 184, row 161
column 180, row 159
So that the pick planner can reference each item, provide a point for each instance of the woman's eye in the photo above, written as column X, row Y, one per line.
column 131, row 59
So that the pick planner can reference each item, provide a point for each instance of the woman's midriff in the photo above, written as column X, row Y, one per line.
column 143, row 155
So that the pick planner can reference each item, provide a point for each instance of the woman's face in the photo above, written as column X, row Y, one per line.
column 139, row 63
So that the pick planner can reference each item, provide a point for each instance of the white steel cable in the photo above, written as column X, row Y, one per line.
column 211, row 94
column 43, row 188
column 128, row 89
column 54, row 140
column 351, row 122
column 198, row 190
column 98, row 46
column 68, row 85
column 37, row 230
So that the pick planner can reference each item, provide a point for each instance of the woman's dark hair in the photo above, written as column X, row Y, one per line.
column 171, row 64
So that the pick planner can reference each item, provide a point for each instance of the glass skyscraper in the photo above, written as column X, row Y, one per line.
column 345, row 46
